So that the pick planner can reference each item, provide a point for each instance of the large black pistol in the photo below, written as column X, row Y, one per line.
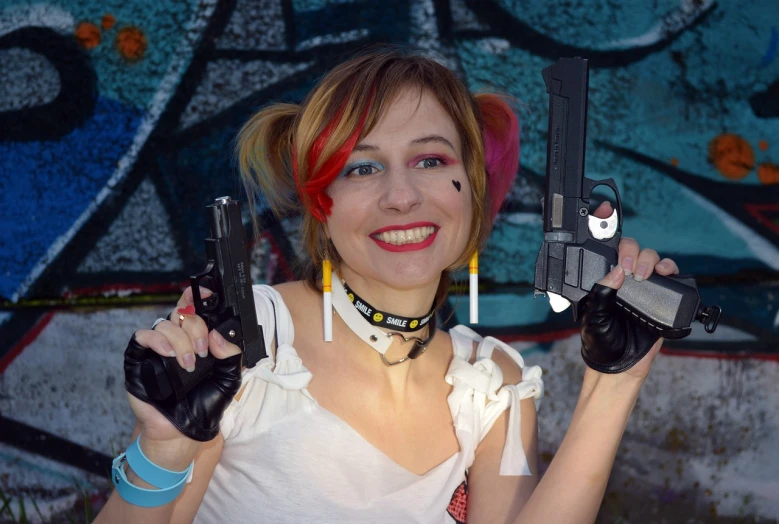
column 578, row 248
column 229, row 309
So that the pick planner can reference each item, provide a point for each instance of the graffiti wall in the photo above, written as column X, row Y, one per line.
column 116, row 126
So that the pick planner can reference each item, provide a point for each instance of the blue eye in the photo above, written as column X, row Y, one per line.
column 430, row 162
column 363, row 169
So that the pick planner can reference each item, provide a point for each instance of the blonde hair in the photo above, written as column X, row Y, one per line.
column 291, row 153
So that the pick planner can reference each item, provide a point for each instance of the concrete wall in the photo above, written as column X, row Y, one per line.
column 115, row 126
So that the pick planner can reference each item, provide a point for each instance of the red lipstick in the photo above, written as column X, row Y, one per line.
column 405, row 247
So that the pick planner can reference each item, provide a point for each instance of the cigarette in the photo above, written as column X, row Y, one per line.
column 474, row 288
column 327, row 299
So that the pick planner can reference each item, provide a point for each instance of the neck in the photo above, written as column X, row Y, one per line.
column 404, row 302
column 398, row 300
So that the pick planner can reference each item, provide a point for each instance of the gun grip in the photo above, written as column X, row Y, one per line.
column 668, row 304
column 163, row 376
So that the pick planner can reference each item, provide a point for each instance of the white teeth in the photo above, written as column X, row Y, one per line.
column 407, row 236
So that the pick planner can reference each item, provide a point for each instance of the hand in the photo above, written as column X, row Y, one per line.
column 203, row 406
column 607, row 331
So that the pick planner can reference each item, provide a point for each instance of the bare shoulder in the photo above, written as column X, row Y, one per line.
column 443, row 338
column 291, row 288
column 294, row 293
column 512, row 373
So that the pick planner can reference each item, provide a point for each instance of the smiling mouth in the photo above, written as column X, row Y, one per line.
column 400, row 237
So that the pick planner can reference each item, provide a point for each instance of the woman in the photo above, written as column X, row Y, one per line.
column 398, row 171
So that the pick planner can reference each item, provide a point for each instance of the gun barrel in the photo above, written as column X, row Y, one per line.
column 566, row 82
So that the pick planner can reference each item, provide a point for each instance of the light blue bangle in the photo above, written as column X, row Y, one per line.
column 170, row 483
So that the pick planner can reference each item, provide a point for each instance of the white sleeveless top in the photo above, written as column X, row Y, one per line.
column 288, row 459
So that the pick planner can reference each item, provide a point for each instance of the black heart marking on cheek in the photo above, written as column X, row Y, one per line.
column 456, row 185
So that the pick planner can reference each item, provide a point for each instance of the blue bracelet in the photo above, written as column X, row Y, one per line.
column 170, row 483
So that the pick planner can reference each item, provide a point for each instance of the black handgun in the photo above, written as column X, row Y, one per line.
column 229, row 310
column 579, row 249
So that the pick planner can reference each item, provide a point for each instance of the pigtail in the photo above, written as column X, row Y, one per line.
column 500, row 131
column 263, row 150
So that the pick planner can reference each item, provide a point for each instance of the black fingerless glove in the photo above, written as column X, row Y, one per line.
column 197, row 415
column 613, row 339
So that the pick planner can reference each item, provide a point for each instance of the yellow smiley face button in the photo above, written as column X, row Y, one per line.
column 413, row 324
column 378, row 317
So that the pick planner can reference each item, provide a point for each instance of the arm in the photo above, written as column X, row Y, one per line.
column 574, row 484
column 186, row 506
column 161, row 442
column 183, row 509
column 173, row 455
column 491, row 497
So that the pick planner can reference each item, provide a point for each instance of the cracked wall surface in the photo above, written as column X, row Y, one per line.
column 116, row 129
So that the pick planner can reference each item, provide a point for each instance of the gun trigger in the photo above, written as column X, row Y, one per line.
column 211, row 302
column 558, row 302
column 603, row 228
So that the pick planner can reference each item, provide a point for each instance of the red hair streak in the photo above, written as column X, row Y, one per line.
column 313, row 194
column 501, row 147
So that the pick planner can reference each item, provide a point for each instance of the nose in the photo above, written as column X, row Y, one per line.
column 400, row 193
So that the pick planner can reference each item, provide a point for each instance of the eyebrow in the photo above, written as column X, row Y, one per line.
column 422, row 140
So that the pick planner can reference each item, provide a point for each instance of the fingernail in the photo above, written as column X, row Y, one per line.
column 201, row 346
column 662, row 265
column 167, row 348
column 640, row 273
column 189, row 362
column 205, row 292
column 219, row 339
column 617, row 271
column 627, row 265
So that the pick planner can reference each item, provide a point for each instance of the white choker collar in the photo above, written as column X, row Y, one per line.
column 371, row 335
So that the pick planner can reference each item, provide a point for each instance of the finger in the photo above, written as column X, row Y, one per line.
column 187, row 298
column 647, row 260
column 155, row 341
column 667, row 267
column 604, row 210
column 181, row 343
column 221, row 348
column 614, row 278
column 628, row 254
column 197, row 330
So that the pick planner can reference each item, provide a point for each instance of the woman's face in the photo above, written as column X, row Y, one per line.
column 402, row 207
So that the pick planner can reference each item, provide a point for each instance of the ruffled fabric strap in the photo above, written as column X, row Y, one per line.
column 289, row 372
column 514, row 461
column 489, row 398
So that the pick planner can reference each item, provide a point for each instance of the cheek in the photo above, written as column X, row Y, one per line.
column 343, row 200
column 466, row 199
column 458, row 204
column 350, row 210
